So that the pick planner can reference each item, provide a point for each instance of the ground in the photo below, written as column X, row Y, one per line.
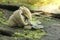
column 51, row 28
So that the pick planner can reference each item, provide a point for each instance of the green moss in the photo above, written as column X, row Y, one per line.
column 34, row 19
column 30, row 33
column 3, row 21
column 2, row 18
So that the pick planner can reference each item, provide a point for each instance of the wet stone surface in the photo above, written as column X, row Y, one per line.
column 52, row 29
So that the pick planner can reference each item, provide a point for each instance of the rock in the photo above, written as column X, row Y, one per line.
column 37, row 25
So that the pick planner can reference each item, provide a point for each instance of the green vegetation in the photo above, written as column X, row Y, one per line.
column 30, row 33
column 34, row 19
column 29, row 3
column 2, row 18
